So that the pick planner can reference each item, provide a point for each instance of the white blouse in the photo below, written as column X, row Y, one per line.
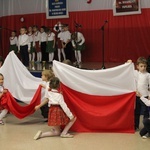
column 51, row 36
column 13, row 40
column 56, row 98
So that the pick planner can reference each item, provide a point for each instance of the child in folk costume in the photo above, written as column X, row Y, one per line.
column 60, row 47
column 43, row 42
column 37, row 37
column 3, row 110
column 59, row 113
column 47, row 75
column 50, row 47
column 58, row 29
column 78, row 43
column 24, row 46
column 32, row 50
column 142, row 80
column 13, row 42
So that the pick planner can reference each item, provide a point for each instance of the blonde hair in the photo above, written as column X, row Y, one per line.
column 48, row 74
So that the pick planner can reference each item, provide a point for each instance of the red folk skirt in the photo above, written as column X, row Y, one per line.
column 57, row 116
column 37, row 47
column 59, row 44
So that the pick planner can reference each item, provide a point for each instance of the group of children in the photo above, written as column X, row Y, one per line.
column 40, row 44
column 58, row 113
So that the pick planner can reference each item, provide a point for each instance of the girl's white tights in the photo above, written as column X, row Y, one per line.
column 3, row 113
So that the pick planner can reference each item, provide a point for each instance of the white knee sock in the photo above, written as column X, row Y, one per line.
column 63, row 53
column 79, row 56
column 3, row 113
column 30, row 56
column 33, row 56
column 59, row 55
column 76, row 56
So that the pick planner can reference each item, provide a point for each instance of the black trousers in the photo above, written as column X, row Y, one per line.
column 140, row 106
column 43, row 50
column 68, row 51
column 45, row 110
column 24, row 55
column 146, row 128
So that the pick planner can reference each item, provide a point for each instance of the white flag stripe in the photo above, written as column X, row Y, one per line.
column 20, row 82
column 114, row 81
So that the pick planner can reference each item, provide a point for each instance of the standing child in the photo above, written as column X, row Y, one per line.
column 60, row 47
column 47, row 75
column 146, row 129
column 59, row 113
column 13, row 42
column 24, row 46
column 78, row 43
column 32, row 50
column 66, row 41
column 2, row 92
column 50, row 48
column 142, row 79
column 37, row 38
column 43, row 42
column 58, row 29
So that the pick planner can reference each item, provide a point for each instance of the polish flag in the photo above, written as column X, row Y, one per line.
column 102, row 100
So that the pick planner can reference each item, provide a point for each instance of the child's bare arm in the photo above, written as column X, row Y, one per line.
column 5, row 91
column 42, row 104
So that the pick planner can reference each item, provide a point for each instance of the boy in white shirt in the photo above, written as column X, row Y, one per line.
column 142, row 78
column 24, row 46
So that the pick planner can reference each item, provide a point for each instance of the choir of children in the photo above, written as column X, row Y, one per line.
column 38, row 45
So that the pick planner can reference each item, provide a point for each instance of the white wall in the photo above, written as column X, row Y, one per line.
column 14, row 7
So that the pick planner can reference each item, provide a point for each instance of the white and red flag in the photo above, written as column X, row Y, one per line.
column 102, row 100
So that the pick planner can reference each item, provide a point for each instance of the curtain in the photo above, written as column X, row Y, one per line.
column 125, row 37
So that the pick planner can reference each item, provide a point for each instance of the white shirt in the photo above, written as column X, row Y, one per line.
column 13, row 40
column 145, row 101
column 142, row 82
column 59, row 34
column 80, row 37
column 56, row 98
column 30, row 37
column 51, row 36
column 37, row 36
column 43, row 37
column 23, row 40
column 65, row 36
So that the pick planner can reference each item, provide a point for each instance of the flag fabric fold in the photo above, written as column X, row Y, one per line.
column 18, row 80
column 8, row 102
column 102, row 100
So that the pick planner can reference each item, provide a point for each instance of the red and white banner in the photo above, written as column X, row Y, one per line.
column 102, row 100
column 126, row 7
